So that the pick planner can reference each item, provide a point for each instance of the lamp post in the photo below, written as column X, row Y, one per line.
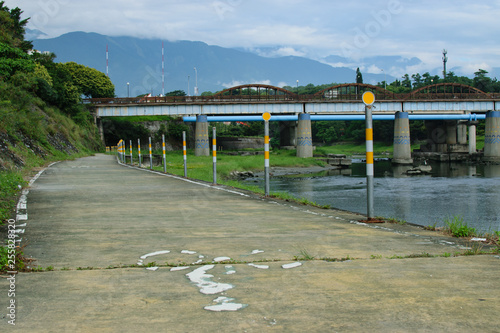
column 196, row 82
column 188, row 87
column 128, row 89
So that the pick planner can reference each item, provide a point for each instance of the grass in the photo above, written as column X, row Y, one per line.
column 201, row 167
column 458, row 228
column 11, row 183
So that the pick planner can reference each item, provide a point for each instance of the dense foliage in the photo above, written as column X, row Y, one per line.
column 41, row 115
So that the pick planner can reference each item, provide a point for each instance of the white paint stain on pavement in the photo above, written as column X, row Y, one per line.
column 188, row 252
column 292, row 265
column 154, row 254
column 225, row 304
column 259, row 266
column 180, row 268
column 204, row 281
column 219, row 259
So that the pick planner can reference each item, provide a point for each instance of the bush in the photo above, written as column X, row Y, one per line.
column 458, row 228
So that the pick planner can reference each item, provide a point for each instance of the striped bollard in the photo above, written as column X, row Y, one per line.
column 184, row 154
column 266, row 117
column 131, row 156
column 150, row 155
column 139, row 148
column 164, row 154
column 368, row 100
column 214, row 145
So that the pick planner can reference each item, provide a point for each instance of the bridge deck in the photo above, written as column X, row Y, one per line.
column 189, row 108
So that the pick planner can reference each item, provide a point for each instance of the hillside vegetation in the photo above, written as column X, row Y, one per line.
column 42, row 118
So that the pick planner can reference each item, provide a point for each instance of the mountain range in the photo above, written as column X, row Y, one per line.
column 138, row 62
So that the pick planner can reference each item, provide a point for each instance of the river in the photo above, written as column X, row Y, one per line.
column 472, row 192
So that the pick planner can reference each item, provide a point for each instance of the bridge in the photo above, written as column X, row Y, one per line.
column 460, row 105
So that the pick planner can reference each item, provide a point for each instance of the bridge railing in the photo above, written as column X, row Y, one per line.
column 340, row 93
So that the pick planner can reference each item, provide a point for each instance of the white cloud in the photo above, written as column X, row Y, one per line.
column 315, row 29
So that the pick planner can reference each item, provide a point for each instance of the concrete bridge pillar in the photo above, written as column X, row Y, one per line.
column 201, row 144
column 472, row 137
column 451, row 132
column 402, row 147
column 304, row 136
column 462, row 132
column 492, row 137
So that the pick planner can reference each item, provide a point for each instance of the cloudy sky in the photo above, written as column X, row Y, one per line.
column 353, row 29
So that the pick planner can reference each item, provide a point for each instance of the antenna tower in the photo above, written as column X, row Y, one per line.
column 162, row 69
column 445, row 59
column 107, row 61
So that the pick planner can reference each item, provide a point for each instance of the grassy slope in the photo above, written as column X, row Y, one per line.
column 33, row 134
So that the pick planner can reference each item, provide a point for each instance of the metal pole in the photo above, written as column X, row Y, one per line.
column 164, row 154
column 150, row 155
column 214, row 142
column 131, row 156
column 369, row 161
column 266, row 155
column 184, row 153
column 139, row 148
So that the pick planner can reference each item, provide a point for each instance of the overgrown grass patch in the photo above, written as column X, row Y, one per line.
column 10, row 185
column 457, row 227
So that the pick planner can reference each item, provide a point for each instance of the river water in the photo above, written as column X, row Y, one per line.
column 472, row 192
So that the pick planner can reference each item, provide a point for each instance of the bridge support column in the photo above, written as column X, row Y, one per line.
column 472, row 137
column 492, row 137
column 201, row 145
column 304, row 136
column 462, row 132
column 402, row 146
column 451, row 132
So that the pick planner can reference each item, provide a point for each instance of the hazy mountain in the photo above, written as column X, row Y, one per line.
column 32, row 34
column 138, row 62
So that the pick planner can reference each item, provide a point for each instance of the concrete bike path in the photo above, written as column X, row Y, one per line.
column 92, row 219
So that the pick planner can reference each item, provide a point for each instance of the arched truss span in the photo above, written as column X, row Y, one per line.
column 255, row 92
column 353, row 91
column 447, row 91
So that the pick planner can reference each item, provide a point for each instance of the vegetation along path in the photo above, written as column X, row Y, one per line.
column 122, row 249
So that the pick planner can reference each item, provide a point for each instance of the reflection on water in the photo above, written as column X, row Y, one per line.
column 451, row 189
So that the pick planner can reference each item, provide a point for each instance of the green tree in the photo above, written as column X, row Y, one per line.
column 176, row 93
column 406, row 81
column 359, row 76
column 12, row 28
column 417, row 80
column 13, row 60
column 90, row 82
column 482, row 82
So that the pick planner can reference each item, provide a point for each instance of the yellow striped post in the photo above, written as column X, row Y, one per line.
column 184, row 152
column 131, row 156
column 214, row 146
column 368, row 100
column 139, row 148
column 266, row 116
column 150, row 155
column 164, row 154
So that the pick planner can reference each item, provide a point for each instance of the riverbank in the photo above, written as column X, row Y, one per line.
column 283, row 164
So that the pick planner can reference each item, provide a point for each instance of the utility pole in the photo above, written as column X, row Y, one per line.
column 445, row 59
